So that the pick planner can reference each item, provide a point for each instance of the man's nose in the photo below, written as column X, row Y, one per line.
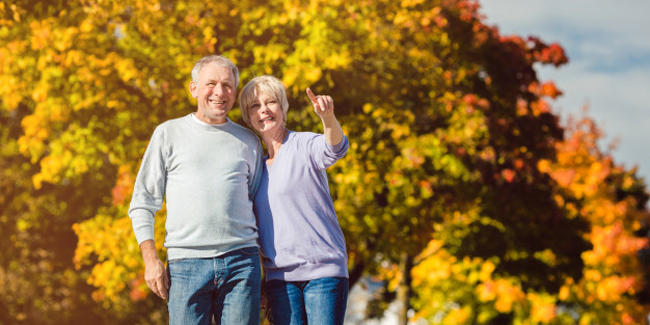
column 218, row 89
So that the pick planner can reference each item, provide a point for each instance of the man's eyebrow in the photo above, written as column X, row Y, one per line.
column 216, row 81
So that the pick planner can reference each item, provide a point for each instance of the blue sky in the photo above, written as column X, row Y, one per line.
column 608, row 45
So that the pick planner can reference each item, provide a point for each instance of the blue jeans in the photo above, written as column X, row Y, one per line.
column 226, row 287
column 316, row 302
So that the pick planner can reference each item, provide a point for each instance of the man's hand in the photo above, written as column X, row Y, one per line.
column 154, row 270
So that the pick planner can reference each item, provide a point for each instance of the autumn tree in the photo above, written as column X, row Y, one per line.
column 589, row 185
column 446, row 118
column 37, row 281
column 452, row 150
column 75, row 109
column 613, row 198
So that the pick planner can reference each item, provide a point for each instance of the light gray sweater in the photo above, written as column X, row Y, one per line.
column 207, row 175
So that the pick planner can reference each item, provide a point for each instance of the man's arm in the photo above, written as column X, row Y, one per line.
column 154, row 270
column 148, row 195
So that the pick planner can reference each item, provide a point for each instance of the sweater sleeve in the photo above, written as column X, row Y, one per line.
column 256, row 172
column 324, row 155
column 149, row 188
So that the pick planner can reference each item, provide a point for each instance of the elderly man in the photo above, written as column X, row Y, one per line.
column 207, row 169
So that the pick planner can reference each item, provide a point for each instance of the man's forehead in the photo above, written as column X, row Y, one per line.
column 216, row 72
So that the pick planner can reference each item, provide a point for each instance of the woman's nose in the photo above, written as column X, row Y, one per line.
column 263, row 108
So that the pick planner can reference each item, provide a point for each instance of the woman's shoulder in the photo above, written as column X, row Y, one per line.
column 302, row 140
column 303, row 136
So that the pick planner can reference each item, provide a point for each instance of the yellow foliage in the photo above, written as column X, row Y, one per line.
column 41, row 34
column 542, row 307
column 564, row 293
column 95, row 79
column 119, row 266
column 485, row 291
column 458, row 316
column 547, row 256
column 507, row 294
column 487, row 268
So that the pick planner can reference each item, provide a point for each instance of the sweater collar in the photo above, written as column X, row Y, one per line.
column 209, row 127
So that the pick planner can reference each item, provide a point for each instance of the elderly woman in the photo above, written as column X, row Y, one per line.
column 302, row 245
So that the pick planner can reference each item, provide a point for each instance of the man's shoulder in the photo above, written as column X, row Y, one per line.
column 173, row 125
column 175, row 122
column 241, row 128
column 245, row 132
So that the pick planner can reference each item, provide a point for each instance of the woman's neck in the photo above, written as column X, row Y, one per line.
column 274, row 141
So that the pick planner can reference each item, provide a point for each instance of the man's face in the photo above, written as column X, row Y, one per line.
column 215, row 92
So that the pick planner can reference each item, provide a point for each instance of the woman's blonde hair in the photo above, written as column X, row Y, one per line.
column 269, row 85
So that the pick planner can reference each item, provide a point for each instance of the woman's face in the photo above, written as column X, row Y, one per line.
column 265, row 114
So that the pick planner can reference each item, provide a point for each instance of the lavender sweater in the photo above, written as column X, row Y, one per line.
column 300, row 236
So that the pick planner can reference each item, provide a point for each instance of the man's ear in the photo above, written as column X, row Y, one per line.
column 193, row 89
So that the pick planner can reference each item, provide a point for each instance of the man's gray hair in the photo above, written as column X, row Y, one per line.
column 220, row 60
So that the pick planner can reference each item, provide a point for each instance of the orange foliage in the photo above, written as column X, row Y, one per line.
column 124, row 185
column 612, row 274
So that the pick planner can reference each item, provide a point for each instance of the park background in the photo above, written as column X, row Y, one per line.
column 467, row 196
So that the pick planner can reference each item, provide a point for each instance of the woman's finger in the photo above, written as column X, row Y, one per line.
column 312, row 97
column 322, row 104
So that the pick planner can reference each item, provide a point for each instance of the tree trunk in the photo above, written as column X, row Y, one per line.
column 404, row 288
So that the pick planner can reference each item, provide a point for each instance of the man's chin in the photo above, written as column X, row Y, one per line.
column 218, row 113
